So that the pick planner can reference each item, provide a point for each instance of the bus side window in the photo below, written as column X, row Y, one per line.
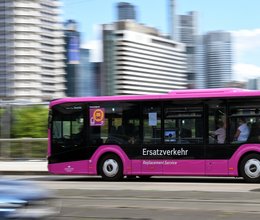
column 121, row 124
column 183, row 124
column 56, row 131
column 152, row 123
column 244, row 118
column 217, row 122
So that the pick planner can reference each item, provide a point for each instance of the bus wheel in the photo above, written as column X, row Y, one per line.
column 250, row 168
column 111, row 168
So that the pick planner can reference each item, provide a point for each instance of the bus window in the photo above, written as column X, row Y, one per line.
column 244, row 122
column 131, row 122
column 152, row 123
column 120, row 124
column 217, row 122
column 185, row 123
column 103, row 129
column 67, row 126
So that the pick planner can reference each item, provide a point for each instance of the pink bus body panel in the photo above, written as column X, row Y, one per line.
column 159, row 167
column 216, row 168
column 76, row 167
column 142, row 167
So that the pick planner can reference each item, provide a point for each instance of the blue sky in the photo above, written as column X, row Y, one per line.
column 240, row 17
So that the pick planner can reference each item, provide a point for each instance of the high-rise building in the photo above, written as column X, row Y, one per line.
column 217, row 47
column 138, row 60
column 214, row 60
column 126, row 11
column 187, row 30
column 31, row 50
column 200, row 64
column 172, row 19
column 253, row 83
column 96, row 69
column 72, row 54
column 87, row 81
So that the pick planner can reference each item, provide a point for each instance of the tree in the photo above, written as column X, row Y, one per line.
column 30, row 121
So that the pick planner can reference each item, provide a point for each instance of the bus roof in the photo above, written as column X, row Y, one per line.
column 175, row 94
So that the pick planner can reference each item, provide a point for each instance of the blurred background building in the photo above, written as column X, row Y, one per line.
column 217, row 59
column 88, row 81
column 82, row 76
column 72, row 54
column 209, row 56
column 236, row 84
column 31, row 50
column 138, row 60
column 172, row 19
column 42, row 60
column 200, row 56
column 96, row 68
column 253, row 84
column 188, row 30
column 126, row 11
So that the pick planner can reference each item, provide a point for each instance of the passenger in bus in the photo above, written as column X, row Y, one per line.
column 220, row 133
column 242, row 132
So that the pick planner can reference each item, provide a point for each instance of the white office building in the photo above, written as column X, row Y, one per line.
column 138, row 60
column 31, row 50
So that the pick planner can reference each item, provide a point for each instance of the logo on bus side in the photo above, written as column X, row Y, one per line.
column 97, row 116
column 68, row 169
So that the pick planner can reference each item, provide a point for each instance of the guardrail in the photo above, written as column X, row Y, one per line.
column 23, row 148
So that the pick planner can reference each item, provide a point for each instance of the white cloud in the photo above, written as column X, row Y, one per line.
column 95, row 47
column 243, row 72
column 246, row 40
column 246, row 54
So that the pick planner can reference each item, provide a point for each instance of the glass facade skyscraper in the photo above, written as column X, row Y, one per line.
column 126, row 11
column 187, row 34
column 72, row 54
column 86, row 85
column 215, row 54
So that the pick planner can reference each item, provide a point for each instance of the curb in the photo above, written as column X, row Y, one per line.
column 14, row 172
column 24, row 167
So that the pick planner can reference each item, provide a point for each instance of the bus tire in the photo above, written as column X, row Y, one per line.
column 111, row 168
column 250, row 168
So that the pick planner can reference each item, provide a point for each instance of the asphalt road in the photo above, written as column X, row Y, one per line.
column 159, row 198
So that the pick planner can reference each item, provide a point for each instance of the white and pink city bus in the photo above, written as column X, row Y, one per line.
column 213, row 132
